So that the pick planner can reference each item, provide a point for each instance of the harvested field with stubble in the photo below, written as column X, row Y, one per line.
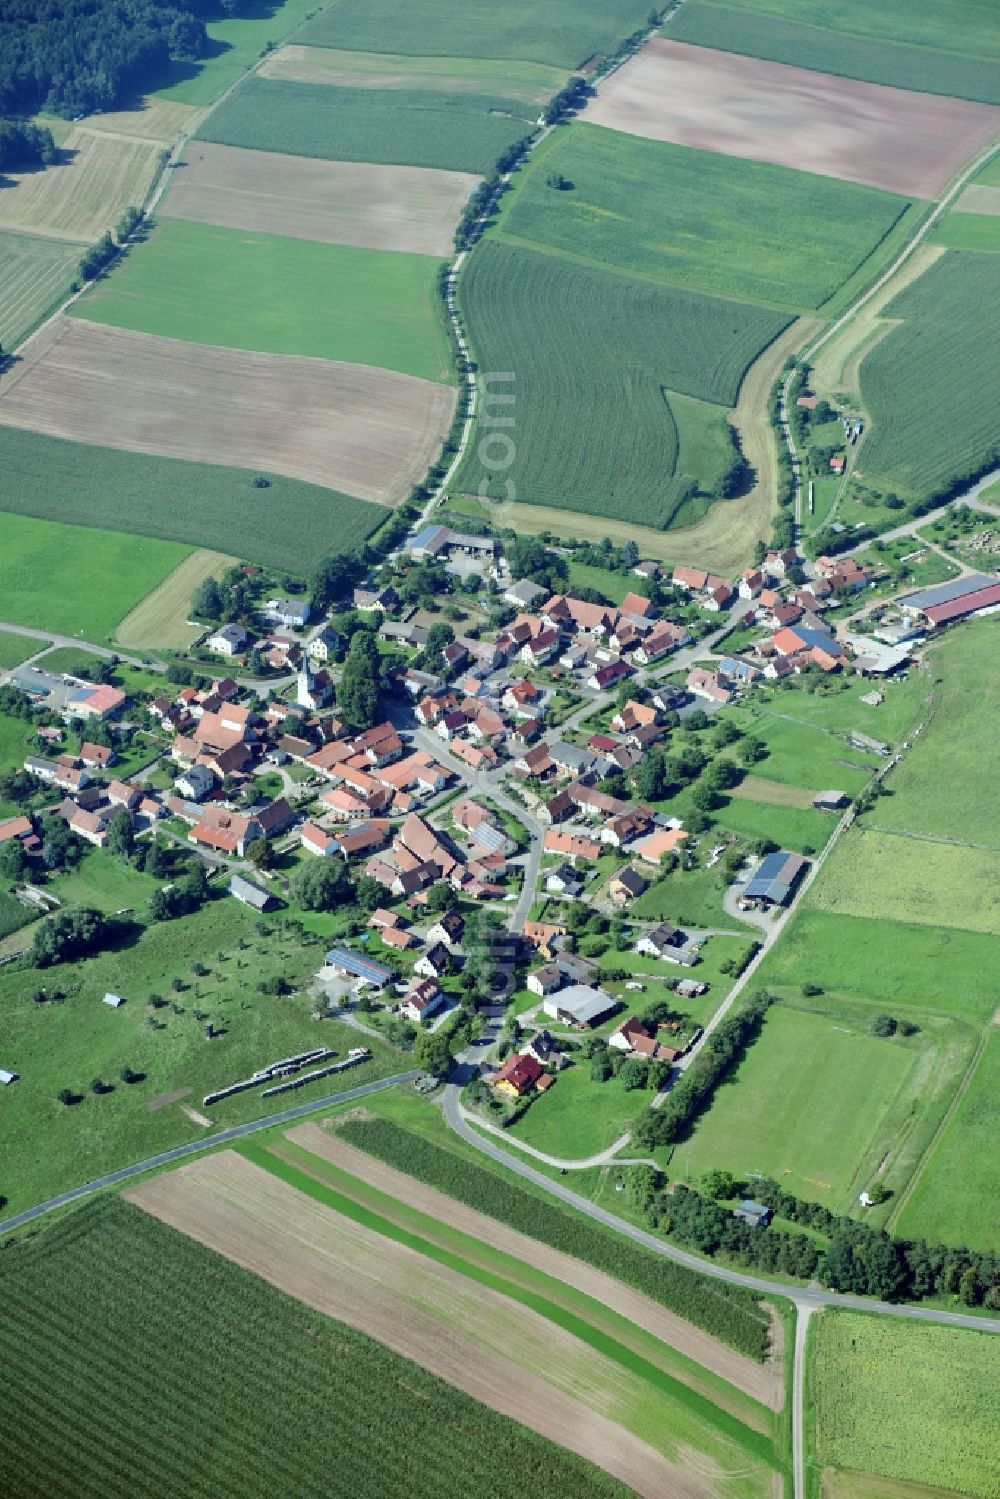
column 154, row 119
column 160, row 621
column 371, row 433
column 35, row 273
column 336, row 202
column 456, row 1329
column 531, row 81
column 762, row 1382
column 890, row 138
column 82, row 194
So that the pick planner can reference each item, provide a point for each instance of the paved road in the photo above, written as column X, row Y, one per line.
column 206, row 1142
column 802, row 1315
column 49, row 637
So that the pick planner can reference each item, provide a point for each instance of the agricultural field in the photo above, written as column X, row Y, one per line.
column 235, row 44
column 969, row 231
column 923, row 436
column 706, row 1364
column 944, row 785
column 562, row 34
column 724, row 1311
column 160, row 620
column 531, row 82
column 314, row 1394
column 423, row 1308
column 152, row 118
column 83, row 193
column 893, row 965
column 64, row 1043
column 287, row 525
column 460, row 132
column 939, row 1425
column 217, row 286
column 714, row 224
column 560, row 325
column 953, row 1200
column 49, row 571
column 35, row 276
column 714, row 100
column 891, row 878
column 336, row 202
column 803, row 1107
column 949, row 52
column 369, row 432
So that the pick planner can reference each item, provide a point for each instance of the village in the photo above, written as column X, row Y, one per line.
column 510, row 841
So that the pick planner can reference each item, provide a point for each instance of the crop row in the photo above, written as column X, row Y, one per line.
column 729, row 1313
column 139, row 1362
column 592, row 356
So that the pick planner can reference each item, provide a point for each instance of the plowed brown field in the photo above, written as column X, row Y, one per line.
column 447, row 1324
column 717, row 101
column 370, row 433
column 763, row 1382
column 336, row 202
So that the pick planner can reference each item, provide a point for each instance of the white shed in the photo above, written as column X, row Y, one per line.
column 8, row 1077
column 114, row 1000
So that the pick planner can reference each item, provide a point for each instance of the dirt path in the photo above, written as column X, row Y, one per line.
column 762, row 1382
column 421, row 1310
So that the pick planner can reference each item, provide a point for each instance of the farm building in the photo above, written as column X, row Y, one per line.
column 775, row 878
column 346, row 964
column 871, row 746
column 248, row 893
column 829, row 801
column 754, row 1213
column 955, row 600
column 579, row 1005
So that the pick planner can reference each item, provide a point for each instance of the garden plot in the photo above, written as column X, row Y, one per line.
column 370, row 432
column 337, row 202
column 890, row 138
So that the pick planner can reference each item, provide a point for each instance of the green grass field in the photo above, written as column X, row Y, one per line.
column 968, row 231
column 279, row 296
column 803, row 1107
column 35, row 274
column 799, row 828
column 802, row 752
column 296, row 1397
column 891, row 964
column 954, row 1199
column 838, row 707
column 67, row 1043
column 563, row 33
column 944, row 786
column 235, row 43
column 286, row 526
column 899, row 44
column 50, row 570
column 891, row 878
column 533, row 82
column 693, row 898
column 907, row 1400
column 462, row 132
column 923, row 437
column 578, row 1117
column 16, row 648
column 592, row 354
column 715, row 224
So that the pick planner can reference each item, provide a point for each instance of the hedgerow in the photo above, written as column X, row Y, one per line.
column 727, row 1312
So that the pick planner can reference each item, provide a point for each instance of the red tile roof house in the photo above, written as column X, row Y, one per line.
column 707, row 684
column 97, row 754
column 317, row 840
column 519, row 1075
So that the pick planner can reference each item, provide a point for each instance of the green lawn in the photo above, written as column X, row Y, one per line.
column 799, row 828
column 839, row 709
column 278, row 295
column 235, row 43
column 715, row 224
column 803, row 753
column 908, row 1400
column 578, row 1117
column 462, row 132
column 945, row 784
column 955, row 1197
column 48, row 578
column 614, row 586
column 879, row 875
column 896, row 43
column 67, row 1043
column 693, row 898
column 891, row 964
column 103, row 881
column 17, row 648
column 562, row 33
column 50, row 570
column 803, row 1107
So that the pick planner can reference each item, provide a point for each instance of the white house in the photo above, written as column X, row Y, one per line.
column 228, row 640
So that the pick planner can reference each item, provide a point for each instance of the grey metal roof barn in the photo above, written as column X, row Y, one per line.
column 775, row 877
column 250, row 894
column 357, row 967
column 943, row 593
